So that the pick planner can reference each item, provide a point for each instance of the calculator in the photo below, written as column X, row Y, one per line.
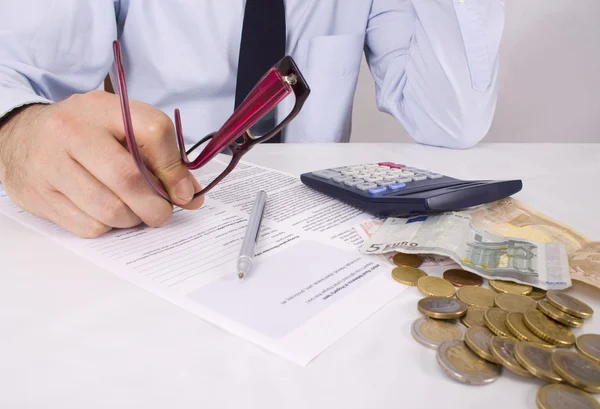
column 395, row 189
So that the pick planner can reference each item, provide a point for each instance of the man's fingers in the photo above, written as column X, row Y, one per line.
column 63, row 212
column 155, row 135
column 91, row 196
column 104, row 157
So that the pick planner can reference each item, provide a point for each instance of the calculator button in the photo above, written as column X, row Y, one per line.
column 386, row 164
column 408, row 173
column 435, row 176
column 373, row 179
column 349, row 172
column 342, row 178
column 356, row 167
column 419, row 178
column 371, row 166
column 340, row 169
column 377, row 190
column 353, row 182
column 365, row 186
column 396, row 186
column 403, row 180
column 398, row 166
column 386, row 182
column 325, row 174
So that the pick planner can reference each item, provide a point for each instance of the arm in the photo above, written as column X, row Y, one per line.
column 62, row 150
column 435, row 65
column 52, row 49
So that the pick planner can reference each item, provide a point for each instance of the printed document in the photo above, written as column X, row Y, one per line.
column 309, row 285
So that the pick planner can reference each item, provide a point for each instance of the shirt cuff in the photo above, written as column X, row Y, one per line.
column 12, row 99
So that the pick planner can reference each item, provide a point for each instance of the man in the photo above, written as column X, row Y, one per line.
column 62, row 154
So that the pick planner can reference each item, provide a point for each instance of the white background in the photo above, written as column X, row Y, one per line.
column 549, row 85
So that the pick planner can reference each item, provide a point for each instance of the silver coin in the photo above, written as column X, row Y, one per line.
column 431, row 332
column 565, row 397
column 589, row 345
column 462, row 364
column 440, row 307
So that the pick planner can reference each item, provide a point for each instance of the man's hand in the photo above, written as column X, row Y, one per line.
column 68, row 163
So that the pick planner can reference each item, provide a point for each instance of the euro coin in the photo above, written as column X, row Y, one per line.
column 564, row 397
column 495, row 321
column 503, row 349
column 589, row 345
column 578, row 370
column 557, row 315
column 476, row 296
column 479, row 340
column 462, row 364
column 407, row 275
column 537, row 294
column 442, row 308
column 515, row 324
column 509, row 287
column 547, row 329
column 410, row 260
column 537, row 359
column 514, row 302
column 460, row 278
column 568, row 304
column 435, row 286
column 432, row 333
column 474, row 317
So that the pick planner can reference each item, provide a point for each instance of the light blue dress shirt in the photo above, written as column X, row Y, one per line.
column 434, row 62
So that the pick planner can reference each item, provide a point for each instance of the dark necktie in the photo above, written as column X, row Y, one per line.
column 262, row 45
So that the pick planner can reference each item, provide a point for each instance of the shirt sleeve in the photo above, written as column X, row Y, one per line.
column 52, row 49
column 435, row 65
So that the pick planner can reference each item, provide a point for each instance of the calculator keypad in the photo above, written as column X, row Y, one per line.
column 377, row 178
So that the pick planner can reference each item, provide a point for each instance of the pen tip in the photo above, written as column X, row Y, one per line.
column 241, row 275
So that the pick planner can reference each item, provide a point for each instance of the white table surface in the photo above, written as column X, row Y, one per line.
column 75, row 336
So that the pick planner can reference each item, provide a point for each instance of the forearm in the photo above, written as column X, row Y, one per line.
column 443, row 85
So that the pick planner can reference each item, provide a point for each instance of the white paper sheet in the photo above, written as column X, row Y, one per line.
column 308, row 287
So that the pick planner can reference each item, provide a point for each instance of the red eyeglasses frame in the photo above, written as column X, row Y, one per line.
column 283, row 79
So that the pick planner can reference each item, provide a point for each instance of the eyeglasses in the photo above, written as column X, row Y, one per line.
column 239, row 133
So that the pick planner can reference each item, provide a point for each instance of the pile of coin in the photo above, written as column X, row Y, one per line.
column 478, row 332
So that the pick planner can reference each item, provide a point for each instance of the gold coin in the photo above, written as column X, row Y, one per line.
column 432, row 333
column 479, row 340
column 509, row 287
column 515, row 324
column 435, row 286
column 410, row 260
column 514, row 302
column 495, row 320
column 503, row 350
column 537, row 294
column 459, row 277
column 578, row 370
column 568, row 304
column 442, row 308
column 474, row 317
column 407, row 275
column 557, row 315
column 476, row 296
column 547, row 329
column 589, row 345
column 564, row 397
column 537, row 359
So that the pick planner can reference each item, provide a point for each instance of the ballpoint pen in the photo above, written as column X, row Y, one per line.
column 246, row 256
